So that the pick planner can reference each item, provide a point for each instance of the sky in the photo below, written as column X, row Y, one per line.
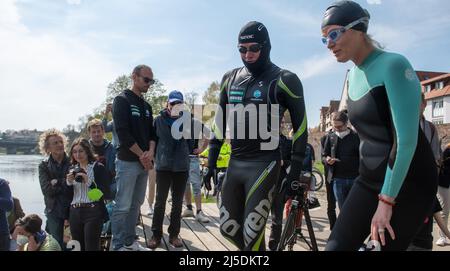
column 57, row 57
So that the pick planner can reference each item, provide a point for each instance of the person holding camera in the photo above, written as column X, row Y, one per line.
column 90, row 182
column 52, row 174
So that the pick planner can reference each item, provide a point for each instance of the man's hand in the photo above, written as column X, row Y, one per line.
column 55, row 181
column 146, row 160
column 330, row 161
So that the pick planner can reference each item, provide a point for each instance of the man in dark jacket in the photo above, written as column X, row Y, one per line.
column 105, row 151
column 52, row 178
column 342, row 157
column 133, row 121
column 6, row 205
column 172, row 167
column 331, row 200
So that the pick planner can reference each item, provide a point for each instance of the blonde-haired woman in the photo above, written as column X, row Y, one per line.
column 52, row 175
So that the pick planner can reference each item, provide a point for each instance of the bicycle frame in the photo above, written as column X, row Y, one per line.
column 292, row 229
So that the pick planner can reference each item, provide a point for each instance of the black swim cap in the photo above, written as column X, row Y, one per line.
column 256, row 32
column 344, row 12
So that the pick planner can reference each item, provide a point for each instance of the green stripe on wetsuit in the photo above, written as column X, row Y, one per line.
column 261, row 178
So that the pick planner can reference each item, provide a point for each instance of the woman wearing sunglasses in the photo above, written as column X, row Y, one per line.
column 90, row 181
column 397, row 182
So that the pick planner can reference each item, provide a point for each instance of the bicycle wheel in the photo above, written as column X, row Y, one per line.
column 319, row 179
column 288, row 230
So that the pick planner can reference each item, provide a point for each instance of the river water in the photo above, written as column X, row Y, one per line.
column 22, row 173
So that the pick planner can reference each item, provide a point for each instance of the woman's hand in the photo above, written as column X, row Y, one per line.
column 83, row 175
column 381, row 223
column 70, row 178
column 32, row 245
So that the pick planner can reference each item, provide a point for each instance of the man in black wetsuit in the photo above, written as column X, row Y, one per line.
column 255, row 97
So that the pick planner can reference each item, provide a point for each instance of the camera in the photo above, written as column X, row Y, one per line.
column 77, row 169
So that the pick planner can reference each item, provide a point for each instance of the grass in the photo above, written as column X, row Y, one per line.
column 210, row 199
column 319, row 166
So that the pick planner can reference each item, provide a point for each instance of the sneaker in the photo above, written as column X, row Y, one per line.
column 150, row 211
column 154, row 242
column 201, row 217
column 176, row 242
column 135, row 247
column 313, row 204
column 442, row 241
column 188, row 213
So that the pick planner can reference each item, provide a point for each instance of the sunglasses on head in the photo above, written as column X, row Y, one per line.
column 252, row 48
column 335, row 34
column 148, row 80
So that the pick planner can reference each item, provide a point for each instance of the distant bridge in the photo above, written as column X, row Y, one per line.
column 19, row 145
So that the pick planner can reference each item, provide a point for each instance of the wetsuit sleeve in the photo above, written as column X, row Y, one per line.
column 403, row 91
column 219, row 126
column 121, row 113
column 290, row 89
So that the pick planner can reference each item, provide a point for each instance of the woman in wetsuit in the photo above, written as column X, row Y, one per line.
column 397, row 182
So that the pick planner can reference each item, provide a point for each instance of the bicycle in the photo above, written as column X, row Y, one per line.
column 292, row 229
column 317, row 178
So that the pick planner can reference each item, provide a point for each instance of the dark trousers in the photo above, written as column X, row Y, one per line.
column 86, row 226
column 331, row 204
column 4, row 242
column 279, row 200
column 164, row 181
column 55, row 227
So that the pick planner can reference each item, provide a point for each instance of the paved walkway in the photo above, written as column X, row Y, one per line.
column 206, row 237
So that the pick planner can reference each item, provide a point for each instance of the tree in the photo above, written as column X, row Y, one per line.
column 121, row 83
column 210, row 98
column 211, row 95
column 190, row 98
column 154, row 96
column 71, row 134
